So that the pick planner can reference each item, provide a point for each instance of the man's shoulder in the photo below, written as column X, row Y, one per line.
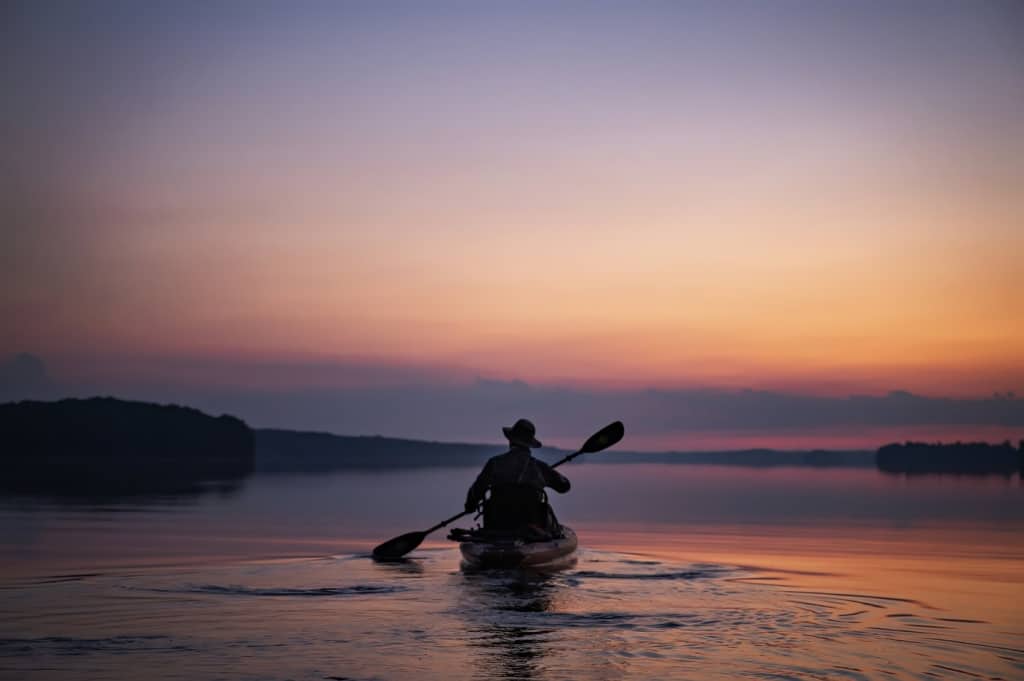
column 500, row 457
column 514, row 456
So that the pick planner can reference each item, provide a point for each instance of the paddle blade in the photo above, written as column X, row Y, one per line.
column 399, row 546
column 604, row 438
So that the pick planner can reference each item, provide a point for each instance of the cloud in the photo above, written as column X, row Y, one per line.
column 365, row 398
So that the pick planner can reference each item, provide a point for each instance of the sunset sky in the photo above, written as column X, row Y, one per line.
column 257, row 198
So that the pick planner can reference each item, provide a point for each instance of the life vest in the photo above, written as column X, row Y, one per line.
column 512, row 506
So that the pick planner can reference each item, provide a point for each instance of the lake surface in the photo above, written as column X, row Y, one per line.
column 689, row 572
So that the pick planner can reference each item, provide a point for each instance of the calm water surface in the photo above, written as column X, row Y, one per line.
column 688, row 572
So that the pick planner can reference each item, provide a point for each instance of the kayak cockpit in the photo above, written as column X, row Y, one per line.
column 488, row 548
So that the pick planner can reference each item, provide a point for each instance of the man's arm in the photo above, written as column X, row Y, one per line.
column 553, row 478
column 478, row 488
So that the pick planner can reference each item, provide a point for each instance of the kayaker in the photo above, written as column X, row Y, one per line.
column 516, row 482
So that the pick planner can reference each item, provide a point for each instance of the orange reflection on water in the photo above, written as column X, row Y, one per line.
column 972, row 572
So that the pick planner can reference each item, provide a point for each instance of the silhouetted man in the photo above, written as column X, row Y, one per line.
column 516, row 481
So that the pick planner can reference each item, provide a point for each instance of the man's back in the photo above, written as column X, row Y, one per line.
column 517, row 482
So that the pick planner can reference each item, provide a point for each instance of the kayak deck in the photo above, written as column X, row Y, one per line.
column 481, row 550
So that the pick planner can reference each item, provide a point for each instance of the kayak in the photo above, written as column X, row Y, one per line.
column 482, row 551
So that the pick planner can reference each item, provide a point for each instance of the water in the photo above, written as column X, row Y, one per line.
column 688, row 572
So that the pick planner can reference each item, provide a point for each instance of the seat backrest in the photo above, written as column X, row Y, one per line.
column 511, row 506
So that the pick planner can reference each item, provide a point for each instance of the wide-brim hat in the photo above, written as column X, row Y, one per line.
column 522, row 433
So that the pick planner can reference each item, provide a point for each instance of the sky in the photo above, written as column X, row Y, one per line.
column 274, row 209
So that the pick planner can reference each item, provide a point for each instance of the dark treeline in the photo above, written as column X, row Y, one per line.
column 300, row 452
column 107, row 447
column 959, row 458
column 289, row 451
column 746, row 458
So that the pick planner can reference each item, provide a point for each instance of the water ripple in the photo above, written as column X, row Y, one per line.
column 684, row 574
column 69, row 645
column 314, row 592
column 617, row 617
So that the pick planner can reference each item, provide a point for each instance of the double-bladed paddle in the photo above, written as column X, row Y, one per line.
column 399, row 546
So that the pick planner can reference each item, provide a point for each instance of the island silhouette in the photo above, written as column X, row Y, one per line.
column 103, row 447
column 958, row 458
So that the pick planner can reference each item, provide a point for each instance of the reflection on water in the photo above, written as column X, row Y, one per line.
column 687, row 572
column 509, row 649
column 117, row 494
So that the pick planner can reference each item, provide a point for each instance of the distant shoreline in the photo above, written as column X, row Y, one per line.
column 119, row 446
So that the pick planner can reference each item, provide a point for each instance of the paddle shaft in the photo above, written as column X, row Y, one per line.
column 465, row 513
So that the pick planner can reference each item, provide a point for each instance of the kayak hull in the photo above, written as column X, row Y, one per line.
column 517, row 553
